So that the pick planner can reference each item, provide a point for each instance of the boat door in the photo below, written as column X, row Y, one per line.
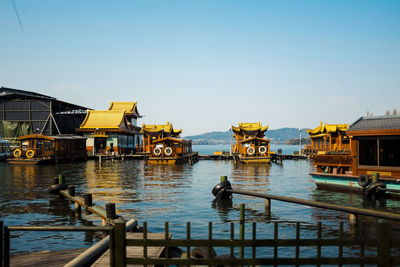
column 100, row 144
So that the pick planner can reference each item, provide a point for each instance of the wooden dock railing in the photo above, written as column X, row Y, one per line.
column 372, row 250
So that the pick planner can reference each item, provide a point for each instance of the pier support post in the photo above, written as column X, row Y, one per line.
column 241, row 230
column 71, row 190
column 88, row 200
column 267, row 206
column 352, row 219
column 61, row 179
column 118, row 244
column 224, row 179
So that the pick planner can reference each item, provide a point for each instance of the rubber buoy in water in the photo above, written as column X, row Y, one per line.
column 219, row 191
column 363, row 180
column 55, row 188
column 374, row 190
column 203, row 253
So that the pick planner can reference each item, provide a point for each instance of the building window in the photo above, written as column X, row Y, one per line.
column 368, row 152
column 389, row 152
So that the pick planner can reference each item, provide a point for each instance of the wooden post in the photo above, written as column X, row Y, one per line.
column 353, row 219
column 267, row 206
column 1, row 243
column 241, row 232
column 61, row 179
column 119, row 244
column 6, row 247
column 384, row 244
column 224, row 179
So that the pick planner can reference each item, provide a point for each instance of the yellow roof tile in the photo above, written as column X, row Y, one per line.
column 250, row 126
column 154, row 128
column 129, row 107
column 110, row 119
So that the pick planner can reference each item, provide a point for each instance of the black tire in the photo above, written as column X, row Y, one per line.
column 374, row 189
column 203, row 253
column 55, row 188
column 219, row 186
column 363, row 180
column 223, row 194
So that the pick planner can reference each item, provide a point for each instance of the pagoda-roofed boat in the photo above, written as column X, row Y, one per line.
column 39, row 148
column 251, row 146
column 164, row 145
column 328, row 139
column 372, row 160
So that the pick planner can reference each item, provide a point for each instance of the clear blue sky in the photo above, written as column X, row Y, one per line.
column 204, row 65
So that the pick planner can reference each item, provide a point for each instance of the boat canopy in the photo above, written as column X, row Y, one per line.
column 322, row 130
column 158, row 128
column 249, row 127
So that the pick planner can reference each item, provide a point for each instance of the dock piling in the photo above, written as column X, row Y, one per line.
column 241, row 230
column 110, row 211
column 61, row 179
column 353, row 219
column 88, row 200
column 267, row 206
column 71, row 190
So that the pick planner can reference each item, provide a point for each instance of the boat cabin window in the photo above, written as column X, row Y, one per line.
column 389, row 152
column 25, row 144
column 368, row 152
column 48, row 145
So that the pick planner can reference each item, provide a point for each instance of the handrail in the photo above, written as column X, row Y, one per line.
column 351, row 210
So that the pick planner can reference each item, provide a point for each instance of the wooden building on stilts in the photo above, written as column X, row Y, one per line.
column 113, row 131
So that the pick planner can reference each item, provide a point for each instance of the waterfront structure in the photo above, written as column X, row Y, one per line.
column 251, row 146
column 24, row 112
column 112, row 131
column 39, row 148
column 164, row 145
column 5, row 149
column 374, row 148
column 328, row 138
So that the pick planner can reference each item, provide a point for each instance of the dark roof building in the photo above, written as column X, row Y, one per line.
column 378, row 125
column 24, row 112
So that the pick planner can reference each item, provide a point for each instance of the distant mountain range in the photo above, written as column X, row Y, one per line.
column 282, row 135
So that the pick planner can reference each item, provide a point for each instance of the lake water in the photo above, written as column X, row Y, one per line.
column 168, row 193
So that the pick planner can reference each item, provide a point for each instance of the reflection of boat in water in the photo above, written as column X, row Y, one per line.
column 251, row 146
column 164, row 145
column 38, row 148
column 374, row 148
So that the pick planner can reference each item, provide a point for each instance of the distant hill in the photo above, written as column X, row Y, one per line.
column 277, row 136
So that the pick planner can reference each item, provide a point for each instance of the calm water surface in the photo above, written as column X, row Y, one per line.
column 168, row 193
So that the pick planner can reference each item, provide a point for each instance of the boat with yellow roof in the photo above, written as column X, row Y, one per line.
column 328, row 139
column 366, row 159
column 251, row 146
column 164, row 145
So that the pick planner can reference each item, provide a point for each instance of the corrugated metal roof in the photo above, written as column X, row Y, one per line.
column 390, row 122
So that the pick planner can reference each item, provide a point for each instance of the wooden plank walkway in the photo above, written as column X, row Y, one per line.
column 152, row 252
column 45, row 258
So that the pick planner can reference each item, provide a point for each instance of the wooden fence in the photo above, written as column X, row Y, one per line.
column 383, row 245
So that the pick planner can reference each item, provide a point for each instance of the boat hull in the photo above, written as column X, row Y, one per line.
column 347, row 182
column 191, row 158
column 249, row 160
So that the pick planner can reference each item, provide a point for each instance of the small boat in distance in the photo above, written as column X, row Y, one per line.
column 5, row 149
column 251, row 146
column 163, row 145
column 39, row 148
column 374, row 148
